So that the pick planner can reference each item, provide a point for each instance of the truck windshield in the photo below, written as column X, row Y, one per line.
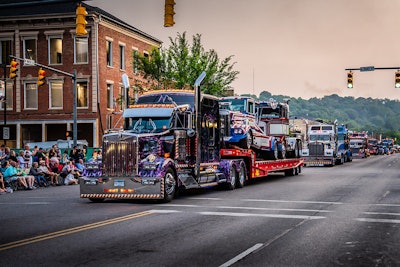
column 149, row 125
column 235, row 104
column 319, row 137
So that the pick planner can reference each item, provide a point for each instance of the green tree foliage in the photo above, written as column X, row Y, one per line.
column 179, row 65
column 379, row 116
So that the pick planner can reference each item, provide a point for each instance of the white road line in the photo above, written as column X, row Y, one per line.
column 293, row 201
column 382, row 213
column 164, row 211
column 241, row 255
column 377, row 220
column 281, row 216
column 242, row 208
column 276, row 209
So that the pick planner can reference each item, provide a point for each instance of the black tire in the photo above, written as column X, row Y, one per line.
column 247, row 142
column 96, row 200
column 233, row 175
column 297, row 146
column 170, row 186
column 241, row 176
column 282, row 153
column 275, row 152
column 290, row 172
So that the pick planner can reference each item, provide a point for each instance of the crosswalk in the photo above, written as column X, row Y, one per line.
column 370, row 213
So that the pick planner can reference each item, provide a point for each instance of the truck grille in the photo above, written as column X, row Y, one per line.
column 316, row 149
column 120, row 157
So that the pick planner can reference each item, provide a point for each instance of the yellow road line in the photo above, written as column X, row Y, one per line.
column 39, row 238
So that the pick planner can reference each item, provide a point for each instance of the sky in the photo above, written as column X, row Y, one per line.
column 298, row 48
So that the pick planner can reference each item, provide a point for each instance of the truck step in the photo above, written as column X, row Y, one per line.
column 188, row 181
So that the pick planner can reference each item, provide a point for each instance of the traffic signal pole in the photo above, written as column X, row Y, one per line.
column 372, row 68
column 73, row 76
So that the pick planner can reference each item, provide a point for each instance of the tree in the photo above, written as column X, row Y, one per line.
column 179, row 66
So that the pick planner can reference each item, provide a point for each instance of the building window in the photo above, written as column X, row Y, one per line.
column 135, row 61
column 55, row 50
column 81, row 49
column 82, row 94
column 31, row 95
column 109, row 53
column 110, row 96
column 29, row 46
column 122, row 97
column 5, row 51
column 122, row 57
column 56, row 94
column 10, row 96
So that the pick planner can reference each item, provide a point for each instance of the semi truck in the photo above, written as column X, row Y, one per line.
column 359, row 144
column 344, row 153
column 171, row 141
column 321, row 146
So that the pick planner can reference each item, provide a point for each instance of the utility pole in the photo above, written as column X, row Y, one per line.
column 4, row 65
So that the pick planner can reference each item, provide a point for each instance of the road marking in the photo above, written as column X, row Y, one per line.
column 285, row 216
column 242, row 208
column 382, row 213
column 72, row 230
column 275, row 209
column 241, row 255
column 293, row 201
column 377, row 220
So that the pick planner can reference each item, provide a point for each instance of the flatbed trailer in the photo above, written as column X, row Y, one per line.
column 258, row 168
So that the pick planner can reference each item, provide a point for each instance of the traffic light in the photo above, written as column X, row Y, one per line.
column 397, row 79
column 68, row 134
column 41, row 77
column 13, row 69
column 169, row 13
column 81, row 22
column 350, row 80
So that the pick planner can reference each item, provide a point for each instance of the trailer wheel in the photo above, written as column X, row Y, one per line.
column 169, row 185
column 96, row 200
column 232, row 183
column 241, row 175
column 290, row 172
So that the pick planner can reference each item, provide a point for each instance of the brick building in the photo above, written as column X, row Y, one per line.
column 45, row 32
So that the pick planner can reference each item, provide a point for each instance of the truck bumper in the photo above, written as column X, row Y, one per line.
column 318, row 162
column 122, row 188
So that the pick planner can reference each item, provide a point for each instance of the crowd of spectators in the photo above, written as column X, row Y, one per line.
column 33, row 168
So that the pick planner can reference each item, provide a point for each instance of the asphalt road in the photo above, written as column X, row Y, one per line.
column 345, row 215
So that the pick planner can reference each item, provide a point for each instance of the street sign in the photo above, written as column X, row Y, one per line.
column 29, row 62
column 6, row 133
column 368, row 68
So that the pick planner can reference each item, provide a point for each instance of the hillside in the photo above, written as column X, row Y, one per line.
column 367, row 114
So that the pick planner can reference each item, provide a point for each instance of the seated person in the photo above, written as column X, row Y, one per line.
column 80, row 166
column 12, row 173
column 39, row 176
column 68, row 172
column 47, row 173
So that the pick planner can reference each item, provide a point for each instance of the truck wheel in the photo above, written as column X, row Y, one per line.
column 169, row 185
column 282, row 153
column 241, row 175
column 232, row 183
column 96, row 200
column 297, row 149
column 290, row 172
column 275, row 152
column 247, row 142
